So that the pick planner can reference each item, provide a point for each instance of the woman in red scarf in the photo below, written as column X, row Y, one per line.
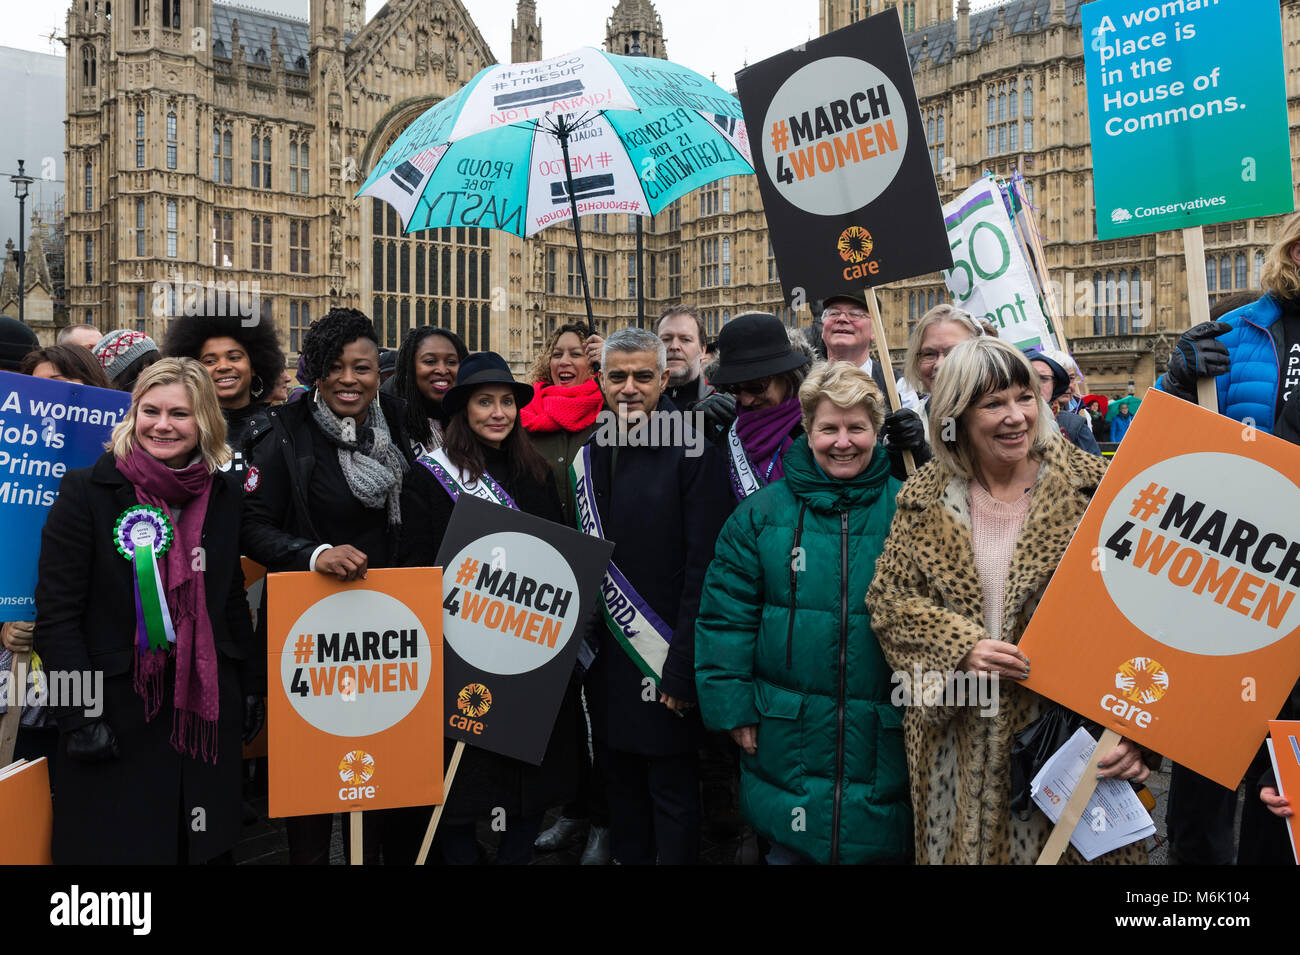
column 141, row 595
column 566, row 400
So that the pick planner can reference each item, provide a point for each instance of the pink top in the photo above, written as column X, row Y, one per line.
column 995, row 527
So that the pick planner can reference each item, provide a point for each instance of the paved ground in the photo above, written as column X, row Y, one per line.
column 264, row 841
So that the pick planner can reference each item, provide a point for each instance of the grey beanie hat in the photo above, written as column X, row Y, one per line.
column 118, row 349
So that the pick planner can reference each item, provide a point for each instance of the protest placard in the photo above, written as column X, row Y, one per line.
column 989, row 276
column 842, row 163
column 47, row 428
column 355, row 691
column 517, row 593
column 25, row 797
column 1284, row 752
column 1187, row 106
column 1172, row 617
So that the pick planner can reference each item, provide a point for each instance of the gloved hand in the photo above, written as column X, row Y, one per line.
column 254, row 717
column 1198, row 354
column 92, row 742
column 719, row 411
column 903, row 431
column 18, row 635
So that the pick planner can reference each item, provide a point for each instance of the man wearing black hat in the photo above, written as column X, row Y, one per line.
column 663, row 506
column 1055, row 382
column 16, row 340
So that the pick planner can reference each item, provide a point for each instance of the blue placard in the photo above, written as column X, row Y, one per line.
column 47, row 428
column 1188, row 112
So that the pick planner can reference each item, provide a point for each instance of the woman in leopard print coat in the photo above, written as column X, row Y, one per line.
column 941, row 600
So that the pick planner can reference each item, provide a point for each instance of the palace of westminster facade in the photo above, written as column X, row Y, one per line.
column 209, row 142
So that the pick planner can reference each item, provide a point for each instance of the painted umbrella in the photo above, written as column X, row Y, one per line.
column 523, row 146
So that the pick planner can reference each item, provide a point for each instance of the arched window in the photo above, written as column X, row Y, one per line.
column 1121, row 301
column 1002, row 106
column 90, row 186
column 88, row 77
column 171, row 140
column 139, row 139
column 940, row 134
column 1259, row 267
column 1135, row 311
column 911, row 306
column 1110, row 303
column 1029, row 134
column 1225, row 273
column 1211, row 271
column 993, row 107
column 1027, row 101
column 1098, row 297
column 1239, row 266
column 1013, row 103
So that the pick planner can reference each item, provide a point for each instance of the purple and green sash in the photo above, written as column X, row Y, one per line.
column 454, row 482
column 643, row 635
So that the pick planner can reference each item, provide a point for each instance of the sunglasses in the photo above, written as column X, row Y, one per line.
column 756, row 387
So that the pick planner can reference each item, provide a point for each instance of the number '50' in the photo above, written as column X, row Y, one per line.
column 979, row 254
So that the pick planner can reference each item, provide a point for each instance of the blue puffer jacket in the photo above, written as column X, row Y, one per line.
column 1249, row 388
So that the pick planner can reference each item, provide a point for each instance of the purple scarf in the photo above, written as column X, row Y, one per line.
column 766, row 432
column 194, row 723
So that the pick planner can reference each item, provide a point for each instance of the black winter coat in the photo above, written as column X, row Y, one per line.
column 245, row 427
column 663, row 510
column 132, row 809
column 487, row 780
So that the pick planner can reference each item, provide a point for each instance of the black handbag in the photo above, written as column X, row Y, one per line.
column 1034, row 745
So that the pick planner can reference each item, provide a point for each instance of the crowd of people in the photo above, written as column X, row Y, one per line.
column 789, row 566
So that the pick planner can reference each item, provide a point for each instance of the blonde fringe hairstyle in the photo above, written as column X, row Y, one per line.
column 972, row 370
column 844, row 385
column 940, row 313
column 1280, row 274
column 203, row 404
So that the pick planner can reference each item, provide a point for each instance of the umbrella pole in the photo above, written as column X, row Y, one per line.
column 563, row 134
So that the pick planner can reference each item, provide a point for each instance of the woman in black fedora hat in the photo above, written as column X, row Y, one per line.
column 487, row 454
column 763, row 366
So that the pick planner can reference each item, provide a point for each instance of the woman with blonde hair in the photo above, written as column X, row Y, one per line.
column 786, row 659
column 1253, row 352
column 140, row 584
column 977, row 535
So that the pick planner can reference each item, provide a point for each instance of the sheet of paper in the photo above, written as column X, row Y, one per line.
column 1114, row 816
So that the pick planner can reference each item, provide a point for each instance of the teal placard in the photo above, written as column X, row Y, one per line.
column 1188, row 113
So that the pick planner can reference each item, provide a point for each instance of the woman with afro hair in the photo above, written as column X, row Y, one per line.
column 427, row 364
column 244, row 362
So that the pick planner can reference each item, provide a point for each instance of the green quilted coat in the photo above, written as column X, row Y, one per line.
column 829, row 778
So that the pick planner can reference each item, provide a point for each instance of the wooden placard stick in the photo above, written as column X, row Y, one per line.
column 882, row 356
column 437, row 811
column 13, row 716
column 1198, row 305
column 1060, row 837
column 354, row 822
column 1044, row 278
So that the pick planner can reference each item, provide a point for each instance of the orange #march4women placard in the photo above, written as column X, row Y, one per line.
column 355, row 676
column 1173, row 617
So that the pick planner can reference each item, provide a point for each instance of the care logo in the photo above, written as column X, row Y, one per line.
column 474, row 700
column 356, row 767
column 854, row 244
column 1141, row 680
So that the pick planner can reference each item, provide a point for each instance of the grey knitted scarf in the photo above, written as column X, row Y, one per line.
column 371, row 465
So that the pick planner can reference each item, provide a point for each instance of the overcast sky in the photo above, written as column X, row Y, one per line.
column 709, row 36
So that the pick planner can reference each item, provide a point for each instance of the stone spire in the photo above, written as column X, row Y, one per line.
column 635, row 24
column 525, row 34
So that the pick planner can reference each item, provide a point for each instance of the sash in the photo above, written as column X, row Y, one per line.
column 743, row 480
column 642, row 634
column 453, row 480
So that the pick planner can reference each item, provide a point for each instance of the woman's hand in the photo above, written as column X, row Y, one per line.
column 344, row 562
column 1124, row 762
column 17, row 635
column 746, row 738
column 1279, row 806
column 996, row 656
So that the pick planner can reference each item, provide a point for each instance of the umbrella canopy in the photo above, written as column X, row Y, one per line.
column 1103, row 403
column 524, row 145
column 1131, row 402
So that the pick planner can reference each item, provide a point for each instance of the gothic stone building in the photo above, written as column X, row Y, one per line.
column 212, row 143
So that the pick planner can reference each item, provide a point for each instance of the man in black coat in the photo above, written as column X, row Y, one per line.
column 662, row 504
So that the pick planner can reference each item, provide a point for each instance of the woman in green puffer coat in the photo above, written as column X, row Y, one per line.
column 785, row 657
